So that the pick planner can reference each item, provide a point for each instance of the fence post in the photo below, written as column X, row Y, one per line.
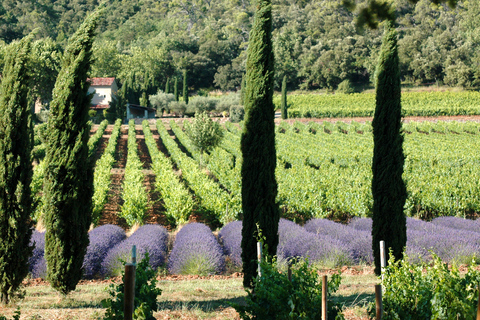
column 324, row 298
column 378, row 302
column 289, row 272
column 129, row 283
column 259, row 257
column 382, row 258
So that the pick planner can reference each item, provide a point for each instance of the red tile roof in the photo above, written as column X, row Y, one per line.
column 99, row 106
column 101, row 81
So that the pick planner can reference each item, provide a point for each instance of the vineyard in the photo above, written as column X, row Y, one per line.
column 152, row 173
column 432, row 103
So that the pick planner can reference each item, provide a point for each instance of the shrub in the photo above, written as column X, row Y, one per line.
column 359, row 242
column 177, row 107
column 431, row 291
column 146, row 294
column 101, row 240
column 345, row 87
column 295, row 241
column 161, row 101
column 230, row 237
column 237, row 113
column 275, row 297
column 203, row 104
column 226, row 101
column 148, row 238
column 37, row 265
column 196, row 251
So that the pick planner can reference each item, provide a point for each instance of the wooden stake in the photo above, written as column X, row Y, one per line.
column 259, row 257
column 129, row 283
column 289, row 273
column 324, row 298
column 378, row 302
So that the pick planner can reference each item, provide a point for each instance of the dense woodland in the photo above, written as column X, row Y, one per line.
column 316, row 43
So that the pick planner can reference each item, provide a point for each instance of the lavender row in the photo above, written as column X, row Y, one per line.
column 196, row 251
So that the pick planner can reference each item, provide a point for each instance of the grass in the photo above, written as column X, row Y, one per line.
column 181, row 298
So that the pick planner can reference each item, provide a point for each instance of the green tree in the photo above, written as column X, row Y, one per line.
column 16, row 141
column 68, row 182
column 284, row 98
column 167, row 85
column 259, row 187
column 205, row 133
column 175, row 89
column 185, row 87
column 388, row 188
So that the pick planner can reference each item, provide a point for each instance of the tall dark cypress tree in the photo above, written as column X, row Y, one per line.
column 68, row 182
column 284, row 98
column 185, row 87
column 16, row 136
column 175, row 89
column 259, row 187
column 388, row 188
column 167, row 85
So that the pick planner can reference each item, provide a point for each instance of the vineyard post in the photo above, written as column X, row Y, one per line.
column 259, row 256
column 378, row 302
column 382, row 258
column 289, row 273
column 324, row 298
column 129, row 282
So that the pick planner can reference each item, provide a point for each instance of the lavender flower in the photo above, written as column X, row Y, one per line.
column 196, row 251
column 295, row 241
column 102, row 239
column 151, row 238
column 359, row 242
column 230, row 237
column 458, row 223
column 364, row 224
column 37, row 265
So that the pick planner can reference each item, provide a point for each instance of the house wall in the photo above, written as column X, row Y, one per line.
column 103, row 94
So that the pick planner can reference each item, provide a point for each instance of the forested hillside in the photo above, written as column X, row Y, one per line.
column 316, row 44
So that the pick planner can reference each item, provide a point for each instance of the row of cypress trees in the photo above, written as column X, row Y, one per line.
column 68, row 185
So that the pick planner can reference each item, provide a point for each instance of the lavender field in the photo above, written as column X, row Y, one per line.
column 196, row 249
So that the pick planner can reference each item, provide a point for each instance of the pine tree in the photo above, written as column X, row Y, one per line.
column 284, row 98
column 175, row 89
column 259, row 187
column 68, row 182
column 16, row 136
column 388, row 188
column 185, row 87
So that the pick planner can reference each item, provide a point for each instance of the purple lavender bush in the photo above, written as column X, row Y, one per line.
column 320, row 249
column 149, row 237
column 359, row 242
column 37, row 265
column 102, row 239
column 196, row 251
column 230, row 236
column 457, row 223
column 364, row 224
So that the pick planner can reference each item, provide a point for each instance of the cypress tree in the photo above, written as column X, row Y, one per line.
column 185, row 87
column 388, row 188
column 16, row 136
column 284, row 98
column 175, row 89
column 68, row 182
column 259, row 187
column 167, row 85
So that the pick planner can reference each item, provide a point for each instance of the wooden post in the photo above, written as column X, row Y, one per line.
column 129, row 283
column 478, row 306
column 382, row 258
column 259, row 257
column 134, row 254
column 324, row 298
column 378, row 302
